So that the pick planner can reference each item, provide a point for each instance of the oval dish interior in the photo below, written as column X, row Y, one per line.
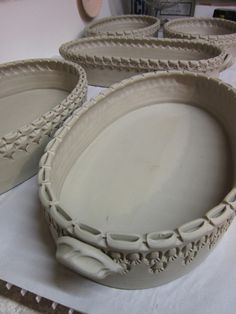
column 204, row 27
column 146, row 49
column 110, row 59
column 25, row 97
column 120, row 26
column 151, row 155
column 123, row 24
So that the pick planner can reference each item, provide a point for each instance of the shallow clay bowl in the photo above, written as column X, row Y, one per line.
column 110, row 59
column 139, row 183
column 36, row 96
column 213, row 30
column 123, row 25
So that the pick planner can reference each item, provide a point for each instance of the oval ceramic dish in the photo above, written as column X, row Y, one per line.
column 108, row 60
column 133, row 183
column 36, row 96
column 218, row 31
column 123, row 25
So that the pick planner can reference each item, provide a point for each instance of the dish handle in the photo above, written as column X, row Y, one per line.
column 85, row 259
column 228, row 61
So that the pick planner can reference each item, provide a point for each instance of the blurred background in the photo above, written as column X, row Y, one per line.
column 32, row 28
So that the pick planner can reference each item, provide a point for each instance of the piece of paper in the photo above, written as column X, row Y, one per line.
column 27, row 259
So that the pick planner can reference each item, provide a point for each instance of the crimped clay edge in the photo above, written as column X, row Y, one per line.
column 125, row 62
column 77, row 95
column 91, row 30
column 170, row 30
column 50, row 202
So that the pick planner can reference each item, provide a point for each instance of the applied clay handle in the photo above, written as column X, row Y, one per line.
column 228, row 61
column 85, row 259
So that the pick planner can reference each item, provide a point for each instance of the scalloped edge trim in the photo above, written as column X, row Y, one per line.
column 184, row 235
column 91, row 29
column 51, row 120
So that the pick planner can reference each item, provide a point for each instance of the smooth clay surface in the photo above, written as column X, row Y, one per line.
column 204, row 29
column 35, row 102
column 149, row 171
column 159, row 53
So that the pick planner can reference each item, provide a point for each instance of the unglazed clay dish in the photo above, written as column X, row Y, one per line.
column 123, row 25
column 136, row 184
column 108, row 60
column 218, row 31
column 36, row 96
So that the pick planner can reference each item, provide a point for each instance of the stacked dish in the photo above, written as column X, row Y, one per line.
column 217, row 31
column 123, row 25
column 36, row 97
column 144, row 194
column 109, row 59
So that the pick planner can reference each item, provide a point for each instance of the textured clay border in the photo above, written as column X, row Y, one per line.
column 48, row 122
column 91, row 29
column 169, row 30
column 143, row 64
column 197, row 233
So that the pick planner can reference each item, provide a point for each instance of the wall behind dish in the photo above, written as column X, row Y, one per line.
column 36, row 28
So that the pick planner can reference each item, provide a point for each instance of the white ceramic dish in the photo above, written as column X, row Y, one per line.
column 123, row 25
column 108, row 60
column 36, row 97
column 218, row 31
column 141, row 198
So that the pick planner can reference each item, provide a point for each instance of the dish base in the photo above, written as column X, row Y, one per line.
column 153, row 169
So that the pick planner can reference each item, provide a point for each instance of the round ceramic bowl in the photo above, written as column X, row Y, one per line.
column 139, row 183
column 108, row 60
column 36, row 96
column 123, row 25
column 218, row 31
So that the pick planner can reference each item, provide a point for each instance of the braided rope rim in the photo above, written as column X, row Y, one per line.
column 68, row 51
column 93, row 28
column 60, row 220
column 49, row 121
column 170, row 31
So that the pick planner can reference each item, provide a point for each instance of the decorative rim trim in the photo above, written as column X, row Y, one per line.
column 93, row 30
column 192, row 231
column 49, row 121
column 142, row 64
column 170, row 31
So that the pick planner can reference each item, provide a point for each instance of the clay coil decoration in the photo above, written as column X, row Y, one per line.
column 139, row 184
column 123, row 25
column 36, row 98
column 108, row 60
column 213, row 30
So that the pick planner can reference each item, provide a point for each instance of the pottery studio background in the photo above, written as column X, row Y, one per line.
column 35, row 29
column 31, row 29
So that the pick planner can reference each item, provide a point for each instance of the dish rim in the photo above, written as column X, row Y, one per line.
column 144, row 64
column 169, row 29
column 91, row 29
column 29, row 131
column 222, row 213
